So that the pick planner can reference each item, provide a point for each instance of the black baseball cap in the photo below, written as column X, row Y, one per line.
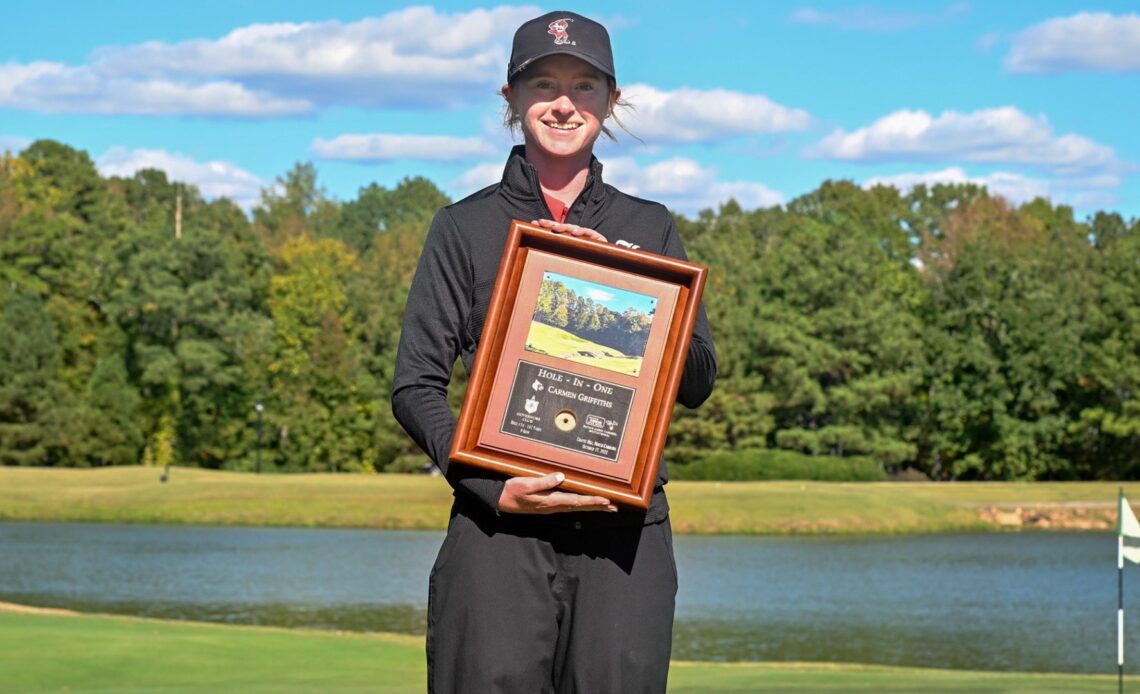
column 561, row 32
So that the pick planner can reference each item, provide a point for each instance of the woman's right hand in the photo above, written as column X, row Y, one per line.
column 571, row 229
column 538, row 495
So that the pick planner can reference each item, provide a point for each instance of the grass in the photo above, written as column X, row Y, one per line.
column 547, row 339
column 41, row 653
column 192, row 496
column 88, row 653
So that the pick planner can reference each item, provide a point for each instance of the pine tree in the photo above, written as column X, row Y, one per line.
column 35, row 408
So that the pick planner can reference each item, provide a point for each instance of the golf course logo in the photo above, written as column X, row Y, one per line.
column 558, row 29
column 591, row 323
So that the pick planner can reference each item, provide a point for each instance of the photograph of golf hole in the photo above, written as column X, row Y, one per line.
column 591, row 323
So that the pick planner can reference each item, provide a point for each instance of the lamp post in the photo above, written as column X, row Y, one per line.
column 260, row 409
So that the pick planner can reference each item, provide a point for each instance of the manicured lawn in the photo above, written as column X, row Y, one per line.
column 547, row 339
column 118, row 654
column 50, row 653
column 135, row 495
column 742, row 678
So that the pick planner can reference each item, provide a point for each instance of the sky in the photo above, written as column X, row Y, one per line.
column 613, row 298
column 756, row 101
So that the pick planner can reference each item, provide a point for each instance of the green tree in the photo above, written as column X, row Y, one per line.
column 55, row 244
column 737, row 416
column 110, row 431
column 294, row 205
column 1009, row 291
column 187, row 307
column 395, row 231
column 1105, row 433
column 35, row 408
column 841, row 345
column 376, row 210
column 326, row 423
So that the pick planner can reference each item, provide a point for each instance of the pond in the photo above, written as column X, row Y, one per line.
column 1025, row 601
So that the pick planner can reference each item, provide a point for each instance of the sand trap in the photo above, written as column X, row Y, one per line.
column 25, row 609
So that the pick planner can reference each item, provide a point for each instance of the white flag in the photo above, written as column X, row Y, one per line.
column 1128, row 526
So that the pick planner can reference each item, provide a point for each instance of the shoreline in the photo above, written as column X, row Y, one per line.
column 135, row 495
column 15, row 608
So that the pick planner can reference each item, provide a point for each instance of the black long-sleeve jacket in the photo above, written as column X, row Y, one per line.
column 451, row 290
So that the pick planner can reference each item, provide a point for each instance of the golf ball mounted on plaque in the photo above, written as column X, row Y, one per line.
column 579, row 363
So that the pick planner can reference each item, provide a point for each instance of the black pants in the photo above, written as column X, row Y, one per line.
column 520, row 606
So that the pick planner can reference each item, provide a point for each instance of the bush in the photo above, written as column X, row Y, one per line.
column 766, row 464
column 410, row 463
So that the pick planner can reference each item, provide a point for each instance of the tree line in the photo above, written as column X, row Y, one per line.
column 561, row 307
column 942, row 330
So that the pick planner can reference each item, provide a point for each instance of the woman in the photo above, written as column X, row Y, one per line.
column 537, row 589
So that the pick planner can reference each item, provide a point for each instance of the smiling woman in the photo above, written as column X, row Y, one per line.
column 561, row 103
column 531, row 579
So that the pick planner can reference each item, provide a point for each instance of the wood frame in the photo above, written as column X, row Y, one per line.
column 601, row 419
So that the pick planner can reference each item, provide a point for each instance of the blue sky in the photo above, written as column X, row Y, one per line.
column 617, row 300
column 760, row 101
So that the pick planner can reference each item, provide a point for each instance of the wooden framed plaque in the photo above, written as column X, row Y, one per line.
column 579, row 363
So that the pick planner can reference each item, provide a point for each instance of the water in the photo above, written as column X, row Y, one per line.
column 1030, row 602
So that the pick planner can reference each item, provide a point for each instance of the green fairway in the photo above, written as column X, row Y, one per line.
column 54, row 653
column 748, row 678
column 41, row 653
column 547, row 339
column 135, row 495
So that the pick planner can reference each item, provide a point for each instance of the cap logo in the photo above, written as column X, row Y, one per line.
column 557, row 29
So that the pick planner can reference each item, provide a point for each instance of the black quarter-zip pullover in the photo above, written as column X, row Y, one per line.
column 450, row 294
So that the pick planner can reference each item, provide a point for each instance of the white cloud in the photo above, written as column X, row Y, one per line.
column 376, row 147
column 415, row 42
column 414, row 56
column 58, row 88
column 672, row 177
column 1013, row 186
column 1086, row 41
column 1094, row 200
column 685, row 186
column 680, row 184
column 600, row 295
column 692, row 115
column 875, row 19
column 13, row 143
column 477, row 177
column 1081, row 192
column 1000, row 136
column 214, row 179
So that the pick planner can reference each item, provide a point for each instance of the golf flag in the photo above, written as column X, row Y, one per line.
column 1127, row 527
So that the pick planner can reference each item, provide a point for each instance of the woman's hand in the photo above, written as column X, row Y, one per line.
column 538, row 495
column 572, row 229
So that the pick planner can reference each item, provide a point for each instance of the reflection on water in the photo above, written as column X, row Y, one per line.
column 336, row 579
column 1035, row 602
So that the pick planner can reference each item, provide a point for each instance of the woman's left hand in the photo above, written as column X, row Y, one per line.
column 572, row 229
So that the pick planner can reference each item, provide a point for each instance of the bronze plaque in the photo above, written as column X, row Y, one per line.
column 567, row 410
column 582, row 353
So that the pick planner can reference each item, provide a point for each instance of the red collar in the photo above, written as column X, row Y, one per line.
column 557, row 209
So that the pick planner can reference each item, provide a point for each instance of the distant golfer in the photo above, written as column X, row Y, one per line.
column 536, row 589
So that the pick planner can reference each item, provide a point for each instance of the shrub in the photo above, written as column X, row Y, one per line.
column 767, row 464
column 410, row 463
